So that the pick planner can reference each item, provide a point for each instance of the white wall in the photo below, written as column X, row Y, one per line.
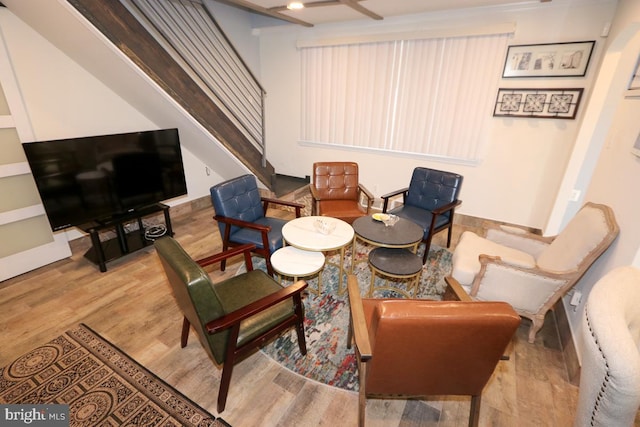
column 63, row 27
column 63, row 100
column 87, row 88
column 602, row 162
column 525, row 161
column 237, row 25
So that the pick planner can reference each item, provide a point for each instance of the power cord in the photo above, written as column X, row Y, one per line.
column 154, row 232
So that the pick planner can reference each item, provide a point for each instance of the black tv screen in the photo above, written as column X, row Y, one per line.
column 96, row 178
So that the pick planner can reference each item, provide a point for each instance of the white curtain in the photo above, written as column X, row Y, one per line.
column 432, row 96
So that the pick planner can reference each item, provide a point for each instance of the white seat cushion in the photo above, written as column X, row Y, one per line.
column 465, row 258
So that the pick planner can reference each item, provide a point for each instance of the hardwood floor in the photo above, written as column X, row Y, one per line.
column 132, row 307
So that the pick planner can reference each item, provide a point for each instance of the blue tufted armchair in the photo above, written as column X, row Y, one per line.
column 429, row 201
column 241, row 216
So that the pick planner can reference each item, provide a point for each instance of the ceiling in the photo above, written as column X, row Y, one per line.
column 330, row 11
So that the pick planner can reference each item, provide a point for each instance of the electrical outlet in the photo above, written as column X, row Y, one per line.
column 575, row 195
column 576, row 298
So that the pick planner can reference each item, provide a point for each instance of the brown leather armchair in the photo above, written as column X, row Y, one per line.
column 336, row 191
column 415, row 348
column 233, row 317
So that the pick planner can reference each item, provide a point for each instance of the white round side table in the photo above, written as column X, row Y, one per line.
column 293, row 262
column 303, row 233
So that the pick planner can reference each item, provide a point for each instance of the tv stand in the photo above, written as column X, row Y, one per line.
column 125, row 241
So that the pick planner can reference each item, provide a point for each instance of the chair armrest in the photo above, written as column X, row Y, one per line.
column 238, row 250
column 263, row 229
column 395, row 193
column 235, row 317
column 449, row 207
column 314, row 192
column 533, row 274
column 266, row 201
column 368, row 195
column 387, row 196
column 445, row 208
column 358, row 322
column 455, row 291
column 241, row 223
column 315, row 200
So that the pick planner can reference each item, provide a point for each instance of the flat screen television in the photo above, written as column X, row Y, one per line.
column 98, row 178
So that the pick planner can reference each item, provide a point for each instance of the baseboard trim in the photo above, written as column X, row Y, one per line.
column 567, row 343
column 190, row 206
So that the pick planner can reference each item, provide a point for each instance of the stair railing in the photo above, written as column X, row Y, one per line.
column 189, row 32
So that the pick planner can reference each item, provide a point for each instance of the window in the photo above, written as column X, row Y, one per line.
column 429, row 96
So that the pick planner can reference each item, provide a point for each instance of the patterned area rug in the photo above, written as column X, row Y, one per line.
column 327, row 319
column 101, row 384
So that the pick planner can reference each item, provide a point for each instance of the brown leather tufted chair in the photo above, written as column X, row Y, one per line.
column 415, row 348
column 336, row 191
column 232, row 317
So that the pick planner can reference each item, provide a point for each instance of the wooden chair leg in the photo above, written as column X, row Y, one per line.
column 185, row 332
column 302, row 341
column 223, row 263
column 270, row 269
column 474, row 415
column 350, row 332
column 362, row 394
column 225, row 381
column 427, row 246
column 225, row 245
column 227, row 367
column 536, row 325
column 450, row 232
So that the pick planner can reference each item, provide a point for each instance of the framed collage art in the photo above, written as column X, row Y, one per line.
column 538, row 103
column 569, row 59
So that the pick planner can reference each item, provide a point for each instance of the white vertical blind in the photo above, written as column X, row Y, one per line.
column 429, row 96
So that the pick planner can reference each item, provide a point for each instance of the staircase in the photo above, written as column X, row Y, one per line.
column 117, row 23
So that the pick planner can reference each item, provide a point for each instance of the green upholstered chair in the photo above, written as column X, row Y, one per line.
column 234, row 316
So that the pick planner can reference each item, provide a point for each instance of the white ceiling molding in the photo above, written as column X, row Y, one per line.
column 505, row 28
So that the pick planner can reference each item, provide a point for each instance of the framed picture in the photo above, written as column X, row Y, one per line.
column 548, row 60
column 538, row 103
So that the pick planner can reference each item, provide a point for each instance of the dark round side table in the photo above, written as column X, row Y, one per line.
column 395, row 252
column 397, row 263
